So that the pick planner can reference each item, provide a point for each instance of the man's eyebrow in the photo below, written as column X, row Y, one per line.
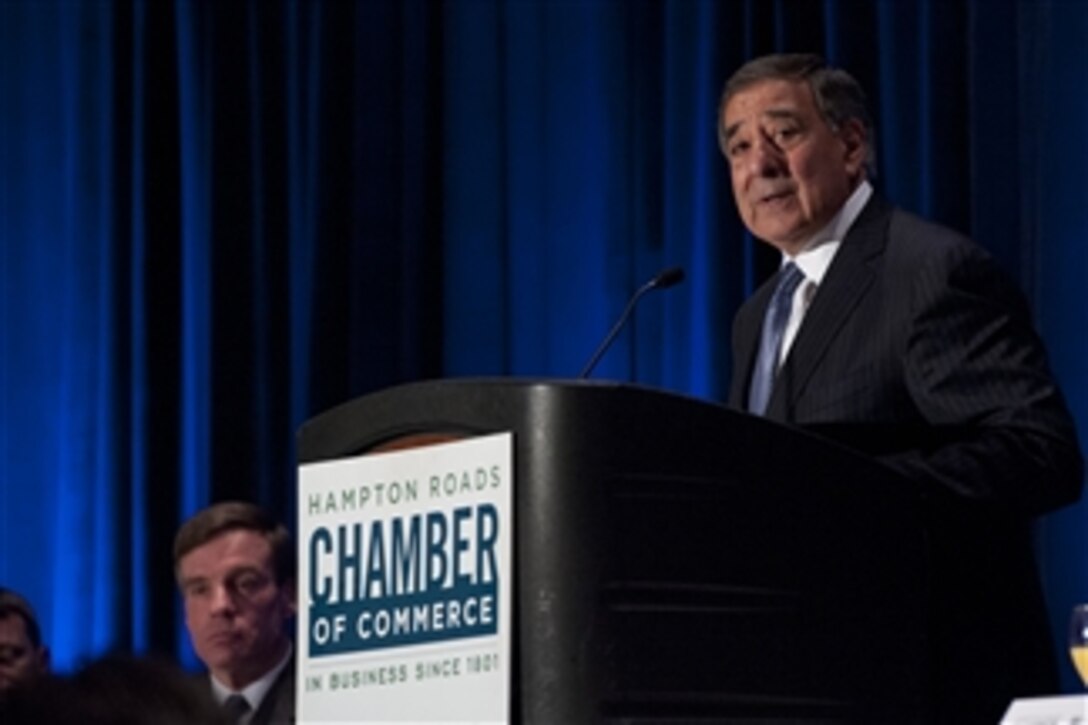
column 779, row 113
column 233, row 571
column 772, row 113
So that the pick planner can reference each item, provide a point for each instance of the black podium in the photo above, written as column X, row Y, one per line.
column 678, row 562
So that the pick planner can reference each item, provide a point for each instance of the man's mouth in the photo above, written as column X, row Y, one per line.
column 221, row 638
column 775, row 197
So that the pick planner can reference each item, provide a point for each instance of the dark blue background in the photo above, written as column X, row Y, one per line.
column 219, row 219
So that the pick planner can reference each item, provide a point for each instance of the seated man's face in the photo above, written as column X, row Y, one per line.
column 235, row 611
column 20, row 660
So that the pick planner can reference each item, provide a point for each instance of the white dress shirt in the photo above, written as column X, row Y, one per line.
column 254, row 692
column 815, row 257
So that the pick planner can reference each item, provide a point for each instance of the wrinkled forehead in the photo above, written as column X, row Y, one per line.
column 768, row 99
column 227, row 551
column 13, row 629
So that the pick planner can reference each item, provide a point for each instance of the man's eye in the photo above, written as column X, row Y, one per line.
column 196, row 590
column 249, row 584
column 738, row 148
column 11, row 654
column 785, row 134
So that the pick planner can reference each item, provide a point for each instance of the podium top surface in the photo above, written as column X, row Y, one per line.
column 550, row 416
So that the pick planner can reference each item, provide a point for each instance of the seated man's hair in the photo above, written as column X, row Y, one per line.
column 227, row 516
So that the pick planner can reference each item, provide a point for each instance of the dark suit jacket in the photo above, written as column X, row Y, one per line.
column 919, row 351
column 278, row 705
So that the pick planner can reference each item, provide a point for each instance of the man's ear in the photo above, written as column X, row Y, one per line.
column 855, row 146
column 43, row 660
column 289, row 589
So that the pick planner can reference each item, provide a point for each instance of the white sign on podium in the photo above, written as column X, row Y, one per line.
column 1064, row 710
column 405, row 580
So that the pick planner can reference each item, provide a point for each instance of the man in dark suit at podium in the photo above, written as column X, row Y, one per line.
column 903, row 339
column 235, row 566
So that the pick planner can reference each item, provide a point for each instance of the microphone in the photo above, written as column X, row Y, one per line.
column 663, row 279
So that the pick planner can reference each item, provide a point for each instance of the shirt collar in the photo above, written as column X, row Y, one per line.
column 255, row 691
column 816, row 255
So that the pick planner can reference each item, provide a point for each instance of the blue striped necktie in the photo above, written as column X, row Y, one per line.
column 774, row 327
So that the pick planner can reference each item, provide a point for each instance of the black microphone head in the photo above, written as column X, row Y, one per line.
column 669, row 277
column 665, row 278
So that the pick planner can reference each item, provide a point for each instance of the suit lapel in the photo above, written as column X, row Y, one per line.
column 851, row 273
column 278, row 705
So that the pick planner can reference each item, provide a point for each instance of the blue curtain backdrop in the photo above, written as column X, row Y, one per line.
column 220, row 218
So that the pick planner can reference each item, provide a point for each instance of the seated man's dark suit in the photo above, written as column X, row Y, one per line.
column 917, row 349
column 278, row 705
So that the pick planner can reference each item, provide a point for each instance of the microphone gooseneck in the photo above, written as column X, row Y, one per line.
column 662, row 280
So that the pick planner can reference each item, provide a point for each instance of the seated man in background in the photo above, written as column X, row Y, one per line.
column 23, row 657
column 235, row 567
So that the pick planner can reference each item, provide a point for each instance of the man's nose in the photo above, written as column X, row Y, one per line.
column 766, row 158
column 222, row 599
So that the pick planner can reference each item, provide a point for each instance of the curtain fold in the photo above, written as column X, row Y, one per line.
column 219, row 219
